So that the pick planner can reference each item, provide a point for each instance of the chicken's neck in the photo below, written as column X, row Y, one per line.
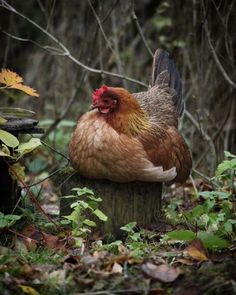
column 129, row 123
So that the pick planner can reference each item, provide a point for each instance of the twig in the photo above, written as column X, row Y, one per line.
column 47, row 177
column 54, row 150
column 32, row 197
column 194, row 185
column 116, row 48
column 135, row 20
column 214, row 54
column 101, row 27
column 24, row 237
column 115, row 51
column 206, row 137
column 205, row 177
column 52, row 50
column 65, row 111
column 65, row 50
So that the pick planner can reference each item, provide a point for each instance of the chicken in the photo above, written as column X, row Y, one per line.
column 133, row 137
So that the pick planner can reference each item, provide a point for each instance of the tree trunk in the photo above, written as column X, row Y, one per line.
column 122, row 202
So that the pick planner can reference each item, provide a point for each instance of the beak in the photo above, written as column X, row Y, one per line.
column 93, row 106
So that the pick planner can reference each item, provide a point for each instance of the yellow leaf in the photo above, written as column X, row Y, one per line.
column 28, row 290
column 197, row 251
column 28, row 90
column 9, row 78
column 13, row 80
column 17, row 171
column 2, row 120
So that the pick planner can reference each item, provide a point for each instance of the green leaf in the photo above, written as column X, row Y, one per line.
column 3, row 154
column 65, row 222
column 16, row 112
column 225, row 165
column 89, row 223
column 83, row 191
column 213, row 194
column 129, row 227
column 212, row 241
column 8, row 220
column 3, row 222
column 94, row 198
column 100, row 215
column 229, row 155
column 9, row 139
column 181, row 235
column 27, row 147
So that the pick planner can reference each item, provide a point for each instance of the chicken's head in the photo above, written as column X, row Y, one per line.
column 105, row 100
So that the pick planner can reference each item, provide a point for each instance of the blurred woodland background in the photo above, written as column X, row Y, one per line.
column 66, row 49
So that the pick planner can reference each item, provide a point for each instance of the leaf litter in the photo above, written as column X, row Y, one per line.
column 44, row 262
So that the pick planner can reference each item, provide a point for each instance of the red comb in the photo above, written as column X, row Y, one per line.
column 99, row 92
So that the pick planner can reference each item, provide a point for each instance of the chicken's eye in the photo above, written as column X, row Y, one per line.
column 106, row 101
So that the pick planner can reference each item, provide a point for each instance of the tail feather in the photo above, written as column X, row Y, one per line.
column 157, row 173
column 165, row 72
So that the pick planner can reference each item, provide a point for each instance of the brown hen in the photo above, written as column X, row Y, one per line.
column 128, row 137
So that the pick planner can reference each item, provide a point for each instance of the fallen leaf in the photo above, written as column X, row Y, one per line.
column 197, row 251
column 28, row 290
column 50, row 240
column 163, row 273
column 117, row 268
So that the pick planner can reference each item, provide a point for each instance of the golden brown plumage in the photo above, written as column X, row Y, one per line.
column 128, row 137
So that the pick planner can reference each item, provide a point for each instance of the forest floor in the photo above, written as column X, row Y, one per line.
column 36, row 258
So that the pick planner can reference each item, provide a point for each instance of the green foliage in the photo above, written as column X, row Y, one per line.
column 8, row 220
column 60, row 136
column 8, row 139
column 209, row 240
column 84, row 208
column 214, row 216
column 182, row 235
column 10, row 147
column 18, row 150
column 139, row 243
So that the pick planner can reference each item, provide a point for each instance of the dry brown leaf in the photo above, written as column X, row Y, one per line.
column 9, row 78
column 163, row 273
column 52, row 241
column 28, row 90
column 197, row 251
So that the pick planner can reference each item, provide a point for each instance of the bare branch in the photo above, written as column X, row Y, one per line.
column 206, row 137
column 214, row 54
column 66, row 51
column 65, row 110
column 135, row 20
column 52, row 50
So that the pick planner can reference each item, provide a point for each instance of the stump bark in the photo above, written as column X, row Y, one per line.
column 122, row 202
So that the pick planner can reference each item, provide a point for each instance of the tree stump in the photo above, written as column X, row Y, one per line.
column 9, row 190
column 121, row 202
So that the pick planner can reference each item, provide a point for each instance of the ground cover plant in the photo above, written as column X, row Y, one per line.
column 191, row 250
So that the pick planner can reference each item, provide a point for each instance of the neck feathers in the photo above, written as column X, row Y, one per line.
column 129, row 123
